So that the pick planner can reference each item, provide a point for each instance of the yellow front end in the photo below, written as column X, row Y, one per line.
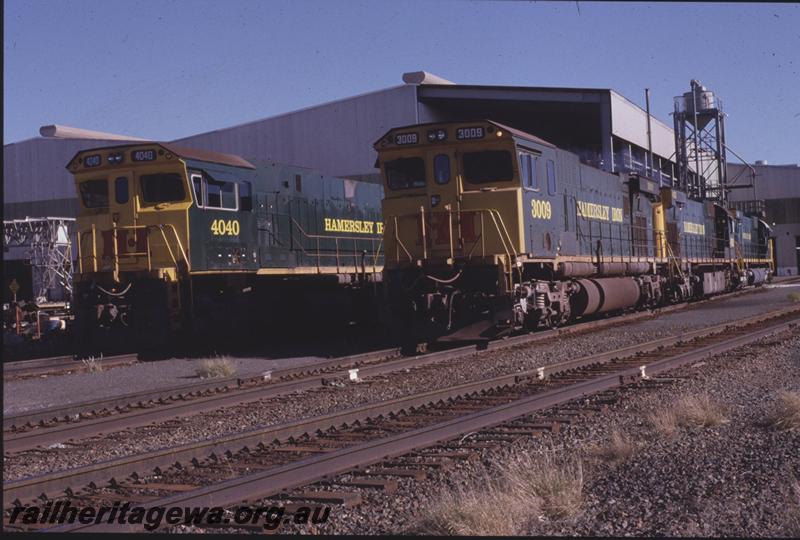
column 450, row 199
column 453, row 230
column 133, row 215
column 132, row 243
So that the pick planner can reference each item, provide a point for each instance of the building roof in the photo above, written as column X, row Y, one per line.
column 67, row 132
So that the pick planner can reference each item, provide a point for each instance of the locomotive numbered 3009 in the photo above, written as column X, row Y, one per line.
column 490, row 229
column 176, row 240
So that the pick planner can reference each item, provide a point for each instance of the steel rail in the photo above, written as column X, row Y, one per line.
column 17, row 442
column 121, row 467
column 181, row 392
column 306, row 471
column 55, row 364
column 74, row 411
column 187, row 390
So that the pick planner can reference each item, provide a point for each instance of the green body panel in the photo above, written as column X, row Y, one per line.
column 286, row 227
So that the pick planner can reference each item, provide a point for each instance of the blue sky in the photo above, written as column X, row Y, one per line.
column 165, row 69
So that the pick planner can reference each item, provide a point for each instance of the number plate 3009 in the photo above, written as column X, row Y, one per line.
column 225, row 227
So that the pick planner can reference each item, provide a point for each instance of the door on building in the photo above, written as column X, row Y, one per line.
column 797, row 251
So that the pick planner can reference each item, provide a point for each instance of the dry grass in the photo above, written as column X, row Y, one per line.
column 699, row 410
column 480, row 509
column 92, row 365
column 528, row 488
column 794, row 296
column 555, row 480
column 694, row 410
column 785, row 413
column 618, row 449
column 215, row 367
column 664, row 421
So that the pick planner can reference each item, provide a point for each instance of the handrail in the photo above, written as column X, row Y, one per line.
column 507, row 243
column 117, row 256
column 739, row 256
column 375, row 252
column 400, row 242
column 497, row 220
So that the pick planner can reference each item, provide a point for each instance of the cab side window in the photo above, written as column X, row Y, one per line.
column 245, row 196
column 527, row 170
column 221, row 194
column 197, row 185
column 551, row 177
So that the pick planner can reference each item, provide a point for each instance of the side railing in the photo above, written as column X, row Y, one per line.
column 178, row 255
column 627, row 242
column 337, row 254
column 674, row 262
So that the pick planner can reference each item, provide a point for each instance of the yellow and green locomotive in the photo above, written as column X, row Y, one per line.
column 179, row 240
column 490, row 229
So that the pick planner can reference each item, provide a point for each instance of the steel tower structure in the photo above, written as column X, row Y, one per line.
column 47, row 245
column 700, row 144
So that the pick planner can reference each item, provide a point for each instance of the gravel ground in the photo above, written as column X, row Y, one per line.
column 56, row 390
column 737, row 479
column 327, row 400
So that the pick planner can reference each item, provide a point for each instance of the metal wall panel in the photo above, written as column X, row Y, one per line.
column 34, row 170
column 629, row 122
column 772, row 182
column 334, row 138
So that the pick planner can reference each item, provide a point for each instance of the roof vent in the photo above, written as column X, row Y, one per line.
column 423, row 77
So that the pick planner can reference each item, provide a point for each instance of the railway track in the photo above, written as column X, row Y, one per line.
column 55, row 365
column 141, row 408
column 296, row 454
column 42, row 428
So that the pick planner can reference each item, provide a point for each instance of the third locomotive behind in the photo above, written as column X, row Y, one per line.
column 492, row 229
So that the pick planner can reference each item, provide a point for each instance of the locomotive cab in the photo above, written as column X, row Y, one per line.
column 455, row 203
column 133, row 240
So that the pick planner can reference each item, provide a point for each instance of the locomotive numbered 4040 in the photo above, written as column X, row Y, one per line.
column 176, row 240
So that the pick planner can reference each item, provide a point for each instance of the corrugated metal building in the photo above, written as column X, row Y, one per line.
column 776, row 192
column 35, row 180
column 600, row 125
column 336, row 138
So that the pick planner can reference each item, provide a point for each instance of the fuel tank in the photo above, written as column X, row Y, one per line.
column 603, row 295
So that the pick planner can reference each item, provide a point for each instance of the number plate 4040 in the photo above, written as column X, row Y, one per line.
column 225, row 227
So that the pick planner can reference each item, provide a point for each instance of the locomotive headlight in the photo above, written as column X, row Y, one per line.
column 441, row 135
column 499, row 133
column 115, row 158
column 431, row 135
